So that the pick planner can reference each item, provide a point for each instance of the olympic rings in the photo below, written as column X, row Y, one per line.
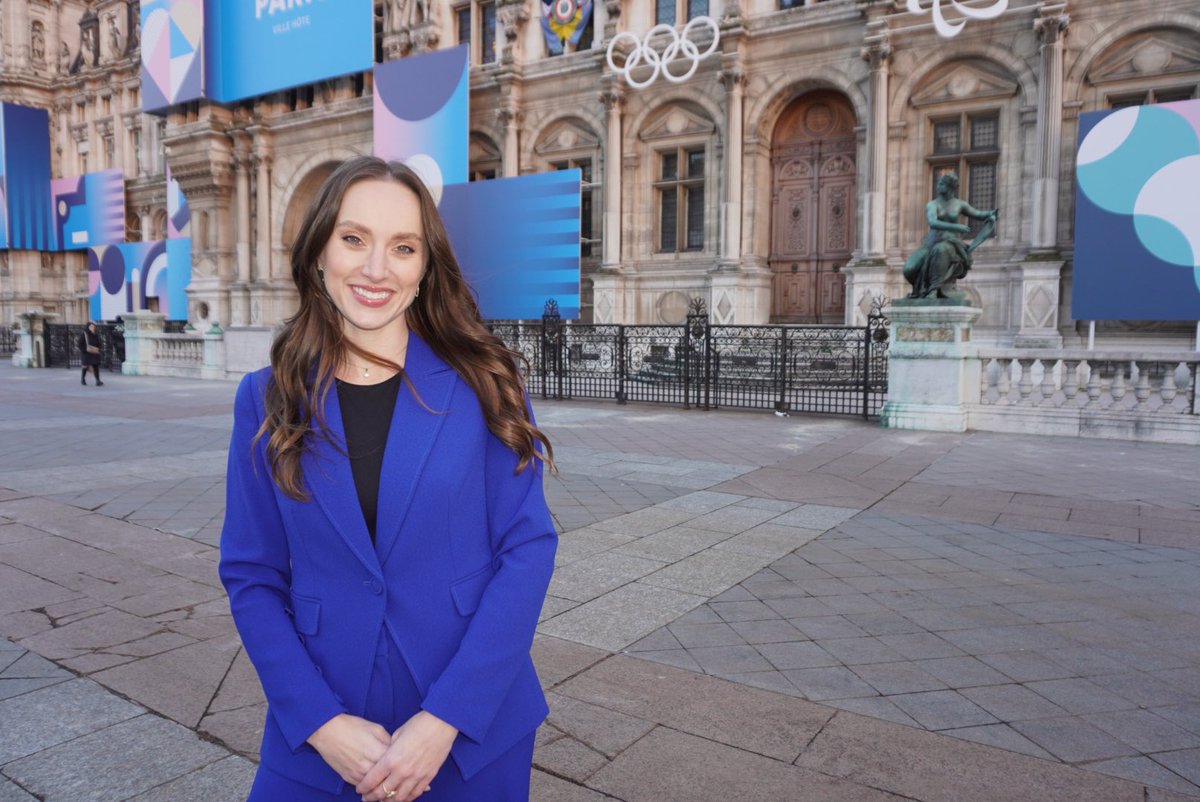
column 679, row 46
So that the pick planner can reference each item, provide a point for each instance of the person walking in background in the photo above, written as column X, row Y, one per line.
column 387, row 545
column 89, row 353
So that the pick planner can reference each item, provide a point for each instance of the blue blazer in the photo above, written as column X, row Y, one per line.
column 462, row 560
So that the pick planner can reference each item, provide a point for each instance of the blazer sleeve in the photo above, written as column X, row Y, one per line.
column 497, row 642
column 255, row 569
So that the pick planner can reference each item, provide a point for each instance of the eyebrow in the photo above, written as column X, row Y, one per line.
column 361, row 227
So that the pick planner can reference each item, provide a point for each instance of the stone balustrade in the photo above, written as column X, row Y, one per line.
column 1130, row 395
column 149, row 351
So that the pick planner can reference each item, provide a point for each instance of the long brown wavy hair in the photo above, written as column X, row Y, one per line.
column 306, row 355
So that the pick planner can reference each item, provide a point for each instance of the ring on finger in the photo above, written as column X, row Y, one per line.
column 388, row 794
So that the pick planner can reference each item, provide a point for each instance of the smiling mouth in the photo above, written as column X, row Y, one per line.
column 372, row 295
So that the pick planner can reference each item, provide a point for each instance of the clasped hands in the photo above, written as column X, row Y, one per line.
column 396, row 768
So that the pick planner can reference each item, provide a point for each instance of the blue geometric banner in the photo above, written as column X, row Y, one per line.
column 25, row 142
column 422, row 115
column 517, row 240
column 124, row 278
column 89, row 209
column 1137, row 221
column 257, row 46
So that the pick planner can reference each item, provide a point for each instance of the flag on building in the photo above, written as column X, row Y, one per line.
column 564, row 21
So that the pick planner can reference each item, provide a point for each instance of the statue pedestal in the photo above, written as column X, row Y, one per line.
column 932, row 370
column 31, row 342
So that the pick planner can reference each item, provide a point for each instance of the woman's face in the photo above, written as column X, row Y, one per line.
column 945, row 186
column 375, row 258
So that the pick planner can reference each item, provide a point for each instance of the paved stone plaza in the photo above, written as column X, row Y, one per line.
column 746, row 607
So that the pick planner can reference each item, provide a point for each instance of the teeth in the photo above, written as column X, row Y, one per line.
column 371, row 296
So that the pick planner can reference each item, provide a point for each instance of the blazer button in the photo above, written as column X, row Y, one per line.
column 376, row 586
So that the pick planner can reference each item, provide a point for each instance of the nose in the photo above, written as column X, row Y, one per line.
column 376, row 267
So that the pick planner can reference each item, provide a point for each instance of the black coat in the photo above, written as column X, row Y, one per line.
column 85, row 338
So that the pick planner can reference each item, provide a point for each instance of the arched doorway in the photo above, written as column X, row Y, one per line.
column 812, row 208
column 302, row 198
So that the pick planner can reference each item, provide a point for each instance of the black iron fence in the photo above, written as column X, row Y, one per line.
column 839, row 370
column 62, row 345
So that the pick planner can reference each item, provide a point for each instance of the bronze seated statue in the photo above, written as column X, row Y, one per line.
column 943, row 258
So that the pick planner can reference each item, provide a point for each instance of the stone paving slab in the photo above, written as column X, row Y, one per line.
column 112, row 763
column 1013, row 601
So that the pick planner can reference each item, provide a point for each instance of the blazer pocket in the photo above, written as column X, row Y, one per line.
column 468, row 590
column 306, row 614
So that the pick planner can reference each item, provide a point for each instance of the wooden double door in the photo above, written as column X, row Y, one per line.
column 812, row 208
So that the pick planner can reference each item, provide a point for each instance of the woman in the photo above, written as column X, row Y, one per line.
column 943, row 258
column 387, row 545
column 89, row 353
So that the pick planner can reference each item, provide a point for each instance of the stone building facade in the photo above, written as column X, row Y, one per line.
column 784, row 181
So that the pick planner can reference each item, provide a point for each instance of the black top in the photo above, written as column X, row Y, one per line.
column 87, row 338
column 366, row 417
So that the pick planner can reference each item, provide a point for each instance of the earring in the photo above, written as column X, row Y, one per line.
column 418, row 292
column 321, row 272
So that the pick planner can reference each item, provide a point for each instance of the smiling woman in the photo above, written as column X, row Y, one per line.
column 372, row 268
column 387, row 545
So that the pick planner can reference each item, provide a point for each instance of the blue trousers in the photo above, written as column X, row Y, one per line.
column 392, row 699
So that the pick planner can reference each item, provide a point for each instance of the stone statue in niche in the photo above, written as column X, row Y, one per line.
column 934, row 269
column 114, row 37
column 37, row 42
column 64, row 58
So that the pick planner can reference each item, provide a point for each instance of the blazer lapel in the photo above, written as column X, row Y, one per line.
column 414, row 429
column 331, row 483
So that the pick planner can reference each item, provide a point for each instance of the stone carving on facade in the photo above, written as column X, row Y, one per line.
column 797, row 220
column 37, row 42
column 612, row 9
column 395, row 15
column 837, row 232
column 511, row 16
column 89, row 43
column 1051, row 26
column 114, row 37
column 64, row 58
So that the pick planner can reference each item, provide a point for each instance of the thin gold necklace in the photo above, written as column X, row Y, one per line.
column 366, row 369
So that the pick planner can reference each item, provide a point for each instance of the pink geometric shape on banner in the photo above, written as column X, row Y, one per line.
column 156, row 49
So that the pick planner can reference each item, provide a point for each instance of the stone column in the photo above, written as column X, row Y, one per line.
column 878, row 54
column 510, row 120
column 1042, row 269
column 239, row 300
column 1049, row 131
column 731, row 247
column 262, row 220
column 608, row 285
column 612, row 97
column 934, row 372
column 867, row 272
